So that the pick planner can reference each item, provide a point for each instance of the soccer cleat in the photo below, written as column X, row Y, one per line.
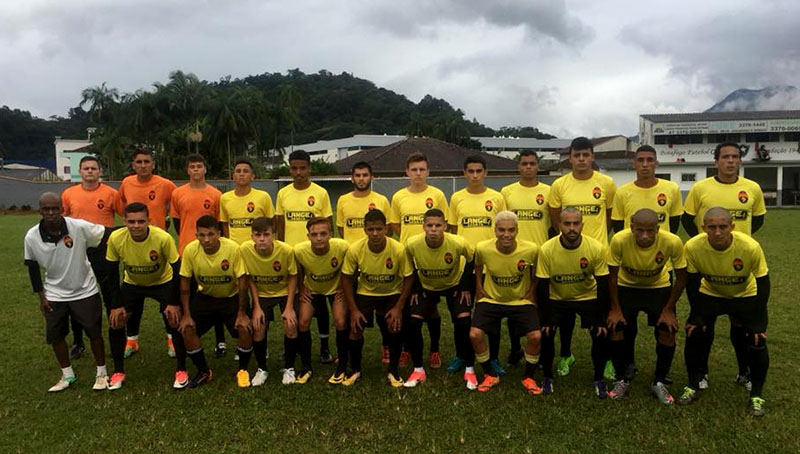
column 662, row 393
column 220, row 350
column 404, row 358
column 530, row 385
column 325, row 356
column 100, row 383
column 515, row 356
column 489, row 382
column 116, row 381
column 77, row 351
column 337, row 378
column 259, row 378
column 472, row 380
column 62, row 384
column 351, row 379
column 181, row 379
column 385, row 355
column 131, row 348
column 609, row 373
column 200, row 378
column 703, row 385
column 600, row 389
column 304, row 377
column 547, row 386
column 756, row 406
column 456, row 364
column 497, row 367
column 435, row 360
column 689, row 396
column 170, row 348
column 564, row 363
column 395, row 381
column 744, row 381
column 620, row 389
column 288, row 376
column 415, row 378
column 243, row 378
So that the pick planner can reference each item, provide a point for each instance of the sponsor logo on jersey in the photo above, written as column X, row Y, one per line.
column 740, row 215
column 659, row 257
column 507, row 281
column 436, row 274
column 251, row 207
column 207, row 204
column 153, row 255
column 521, row 265
column 68, row 241
column 584, row 263
column 742, row 196
column 225, row 265
column 240, row 222
column 145, row 269
column 568, row 278
column 476, row 221
column 528, row 215
column 334, row 262
column 414, row 219
column 725, row 280
column 311, row 201
column 267, row 279
column 322, row 277
column 302, row 216
column 276, row 265
column 587, row 210
column 355, row 223
column 101, row 204
column 389, row 263
column 429, row 203
column 738, row 264
column 371, row 207
column 540, row 199
column 151, row 195
column 643, row 273
column 597, row 192
column 378, row 278
column 448, row 258
column 214, row 280
column 661, row 199
column 488, row 205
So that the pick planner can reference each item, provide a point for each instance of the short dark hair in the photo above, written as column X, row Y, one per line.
column 529, row 153
column 136, row 207
column 262, row 224
column 244, row 161
column 374, row 216
column 146, row 151
column 195, row 157
column 475, row 159
column 300, row 155
column 718, row 149
column 646, row 149
column 361, row 165
column 434, row 213
column 89, row 158
column 318, row 220
column 581, row 143
column 206, row 221
column 416, row 157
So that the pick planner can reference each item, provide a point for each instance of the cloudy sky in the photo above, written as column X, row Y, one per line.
column 568, row 67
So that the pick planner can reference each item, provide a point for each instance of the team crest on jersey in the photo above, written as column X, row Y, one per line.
column 521, row 265
column 389, row 264
column 659, row 257
column 151, row 195
column 334, row 262
column 101, row 204
column 225, row 265
column 488, row 205
column 68, row 241
column 276, row 265
column 540, row 199
column 584, row 263
column 429, row 203
column 743, row 196
column 311, row 200
column 251, row 207
column 597, row 192
column 153, row 256
column 738, row 264
column 371, row 207
column 448, row 258
column 207, row 204
column 661, row 199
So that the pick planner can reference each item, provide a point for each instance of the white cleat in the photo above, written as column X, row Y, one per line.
column 62, row 384
column 259, row 378
column 100, row 383
column 288, row 376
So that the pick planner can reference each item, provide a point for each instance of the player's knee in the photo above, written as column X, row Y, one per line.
column 534, row 336
column 666, row 337
column 476, row 334
column 304, row 325
column 290, row 331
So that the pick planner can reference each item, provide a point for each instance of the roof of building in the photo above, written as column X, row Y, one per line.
column 723, row 116
column 609, row 160
column 443, row 157
column 358, row 140
column 522, row 143
column 595, row 142
column 26, row 172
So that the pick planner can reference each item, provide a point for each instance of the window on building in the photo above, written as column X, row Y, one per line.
column 660, row 140
column 762, row 137
column 679, row 139
column 791, row 137
column 664, row 176
column 721, row 138
column 66, row 170
column 688, row 177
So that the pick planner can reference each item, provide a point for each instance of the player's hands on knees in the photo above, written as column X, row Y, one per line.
column 759, row 337
column 357, row 321
column 117, row 317
column 259, row 319
column 414, row 300
column 690, row 329
column 602, row 331
column 187, row 324
column 243, row 323
column 394, row 318
column 289, row 317
column 466, row 298
column 305, row 295
column 614, row 319
column 668, row 319
column 173, row 315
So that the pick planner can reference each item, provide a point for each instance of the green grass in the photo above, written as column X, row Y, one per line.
column 441, row 416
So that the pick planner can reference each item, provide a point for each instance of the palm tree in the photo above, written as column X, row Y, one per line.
column 290, row 101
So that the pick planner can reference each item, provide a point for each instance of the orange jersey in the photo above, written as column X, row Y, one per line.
column 96, row 206
column 155, row 193
column 188, row 205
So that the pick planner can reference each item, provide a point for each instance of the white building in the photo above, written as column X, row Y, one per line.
column 69, row 153
column 769, row 141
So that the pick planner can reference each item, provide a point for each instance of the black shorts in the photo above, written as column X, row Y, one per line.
column 207, row 311
column 375, row 305
column 429, row 301
column 592, row 313
column 746, row 312
column 88, row 312
column 135, row 294
column 522, row 319
column 319, row 301
column 648, row 300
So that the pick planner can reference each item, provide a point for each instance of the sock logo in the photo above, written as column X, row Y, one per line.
column 276, row 265
column 584, row 263
column 742, row 196
column 596, row 192
column 153, row 255
column 738, row 264
column 659, row 257
column 151, row 195
column 311, row 200
column 251, row 207
column 448, row 258
column 540, row 199
column 68, row 241
column 429, row 203
column 224, row 264
column 488, row 205
column 334, row 262
column 389, row 264
column 661, row 199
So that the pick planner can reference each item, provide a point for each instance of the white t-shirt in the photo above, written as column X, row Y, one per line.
column 68, row 275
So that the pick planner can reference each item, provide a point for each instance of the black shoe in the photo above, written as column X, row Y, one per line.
column 325, row 356
column 77, row 351
column 201, row 378
column 220, row 350
column 515, row 356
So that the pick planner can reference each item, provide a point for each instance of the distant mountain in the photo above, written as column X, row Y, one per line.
column 779, row 97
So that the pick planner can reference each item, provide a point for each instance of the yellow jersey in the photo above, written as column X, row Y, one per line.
column 322, row 272
column 270, row 273
column 531, row 207
column 730, row 273
column 507, row 277
column 217, row 274
column 474, row 214
column 743, row 198
column 147, row 262
column 645, row 268
column 379, row 274
column 441, row 268
column 297, row 207
column 664, row 198
column 408, row 209
column 572, row 271
column 239, row 212
column 350, row 211
column 592, row 197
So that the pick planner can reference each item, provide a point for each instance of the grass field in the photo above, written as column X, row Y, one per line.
column 441, row 416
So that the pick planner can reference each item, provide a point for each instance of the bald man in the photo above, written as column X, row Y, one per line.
column 59, row 244
column 638, row 281
column 727, row 274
